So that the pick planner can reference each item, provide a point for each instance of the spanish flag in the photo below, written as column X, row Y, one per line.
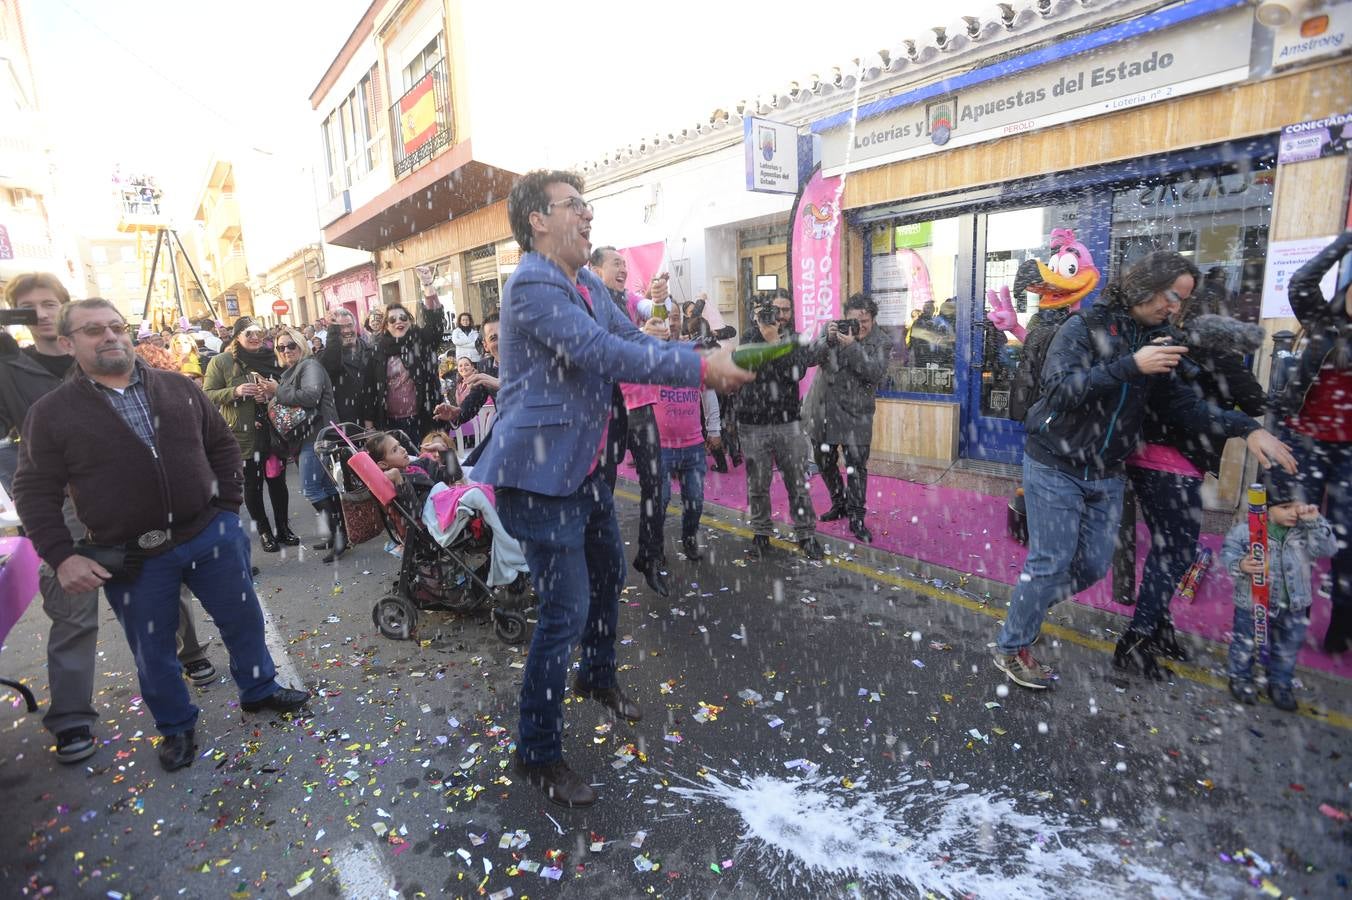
column 418, row 114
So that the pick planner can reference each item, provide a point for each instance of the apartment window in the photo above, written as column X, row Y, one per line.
column 131, row 282
column 423, row 63
column 351, row 148
column 128, row 254
column 99, row 254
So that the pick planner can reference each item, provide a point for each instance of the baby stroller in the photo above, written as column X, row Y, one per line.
column 431, row 577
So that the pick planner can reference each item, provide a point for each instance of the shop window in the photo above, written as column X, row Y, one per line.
column 914, row 280
column 1013, row 237
column 1218, row 219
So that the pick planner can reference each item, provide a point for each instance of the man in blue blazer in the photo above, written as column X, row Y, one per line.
column 563, row 345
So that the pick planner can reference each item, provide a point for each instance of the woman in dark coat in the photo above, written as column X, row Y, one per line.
column 1168, row 469
column 403, row 386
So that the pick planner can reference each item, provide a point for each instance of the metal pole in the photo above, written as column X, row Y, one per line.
column 178, row 290
column 150, row 282
column 206, row 296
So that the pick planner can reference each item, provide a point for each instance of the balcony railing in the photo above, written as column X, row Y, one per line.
column 421, row 122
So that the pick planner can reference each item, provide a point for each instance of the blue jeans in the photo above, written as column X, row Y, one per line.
column 1072, row 524
column 1286, row 632
column 576, row 561
column 1172, row 507
column 215, row 566
column 690, row 464
column 1326, row 466
column 315, row 483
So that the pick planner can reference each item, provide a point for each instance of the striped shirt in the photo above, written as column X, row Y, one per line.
column 133, row 406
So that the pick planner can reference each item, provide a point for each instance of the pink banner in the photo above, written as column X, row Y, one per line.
column 643, row 262
column 814, row 258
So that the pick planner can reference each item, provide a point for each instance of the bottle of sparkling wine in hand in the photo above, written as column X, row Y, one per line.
column 753, row 356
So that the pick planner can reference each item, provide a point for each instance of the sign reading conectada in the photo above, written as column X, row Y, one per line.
column 1193, row 57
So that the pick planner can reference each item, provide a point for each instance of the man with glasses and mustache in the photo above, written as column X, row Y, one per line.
column 155, row 474
column 564, row 345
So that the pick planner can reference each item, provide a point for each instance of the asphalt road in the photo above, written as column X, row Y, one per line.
column 811, row 731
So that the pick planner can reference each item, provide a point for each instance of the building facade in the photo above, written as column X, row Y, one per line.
column 1125, row 127
column 220, row 235
column 29, row 240
column 400, row 177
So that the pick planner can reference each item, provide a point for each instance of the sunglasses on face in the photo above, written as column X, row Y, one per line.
column 393, row 320
column 287, row 348
column 95, row 331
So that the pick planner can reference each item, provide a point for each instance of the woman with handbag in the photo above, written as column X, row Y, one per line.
column 303, row 404
column 240, row 380
column 404, row 389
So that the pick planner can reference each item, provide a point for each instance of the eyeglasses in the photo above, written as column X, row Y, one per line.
column 576, row 204
column 393, row 319
column 287, row 348
column 252, row 332
column 1173, row 297
column 96, row 331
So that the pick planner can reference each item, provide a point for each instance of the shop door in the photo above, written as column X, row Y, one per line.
column 753, row 262
column 1004, row 241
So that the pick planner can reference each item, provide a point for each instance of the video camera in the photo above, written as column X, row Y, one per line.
column 10, row 317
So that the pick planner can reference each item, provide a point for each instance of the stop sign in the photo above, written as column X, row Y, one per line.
column 280, row 307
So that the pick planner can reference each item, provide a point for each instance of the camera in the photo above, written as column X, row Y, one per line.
column 848, row 326
column 10, row 317
column 766, row 314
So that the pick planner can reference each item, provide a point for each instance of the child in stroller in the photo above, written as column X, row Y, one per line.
column 449, row 570
column 434, row 484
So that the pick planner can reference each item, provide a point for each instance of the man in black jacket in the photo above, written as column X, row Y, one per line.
column 155, row 473
column 1102, row 368
column 72, row 643
column 345, row 357
column 768, row 412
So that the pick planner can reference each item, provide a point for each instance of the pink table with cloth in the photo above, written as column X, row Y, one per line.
column 18, row 585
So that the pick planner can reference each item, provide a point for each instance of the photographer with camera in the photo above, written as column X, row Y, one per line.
column 856, row 361
column 768, row 414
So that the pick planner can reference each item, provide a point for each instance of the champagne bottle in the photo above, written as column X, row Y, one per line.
column 660, row 310
column 753, row 356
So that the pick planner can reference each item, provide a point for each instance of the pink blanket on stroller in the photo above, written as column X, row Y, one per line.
column 445, row 502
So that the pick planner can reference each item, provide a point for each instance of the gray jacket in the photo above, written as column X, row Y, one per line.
column 22, row 381
column 1291, row 562
column 307, row 385
column 852, row 376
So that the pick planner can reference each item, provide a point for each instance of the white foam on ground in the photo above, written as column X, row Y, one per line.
column 362, row 872
column 288, row 676
column 933, row 837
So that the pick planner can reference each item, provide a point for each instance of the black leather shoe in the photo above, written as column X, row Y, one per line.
column 656, row 579
column 284, row 701
column 812, row 548
column 560, row 783
column 835, row 512
column 287, row 537
column 613, row 699
column 325, row 544
column 177, row 750
column 75, row 744
column 760, row 546
column 690, row 547
column 860, row 531
column 268, row 542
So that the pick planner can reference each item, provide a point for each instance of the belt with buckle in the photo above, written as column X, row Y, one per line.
column 152, row 539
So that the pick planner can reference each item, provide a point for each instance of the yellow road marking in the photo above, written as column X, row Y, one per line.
column 1185, row 670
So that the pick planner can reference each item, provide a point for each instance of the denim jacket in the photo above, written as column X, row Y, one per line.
column 1293, row 557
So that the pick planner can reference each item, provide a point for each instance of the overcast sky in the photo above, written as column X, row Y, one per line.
column 160, row 86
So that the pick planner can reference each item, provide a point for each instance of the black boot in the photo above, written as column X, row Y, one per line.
column 1166, row 642
column 1338, row 637
column 837, row 511
column 1136, row 653
column 286, row 536
column 267, row 541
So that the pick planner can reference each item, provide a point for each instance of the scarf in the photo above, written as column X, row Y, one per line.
column 262, row 361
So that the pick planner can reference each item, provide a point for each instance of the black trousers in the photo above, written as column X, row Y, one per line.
column 617, row 437
column 646, row 447
column 851, row 492
column 253, row 496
